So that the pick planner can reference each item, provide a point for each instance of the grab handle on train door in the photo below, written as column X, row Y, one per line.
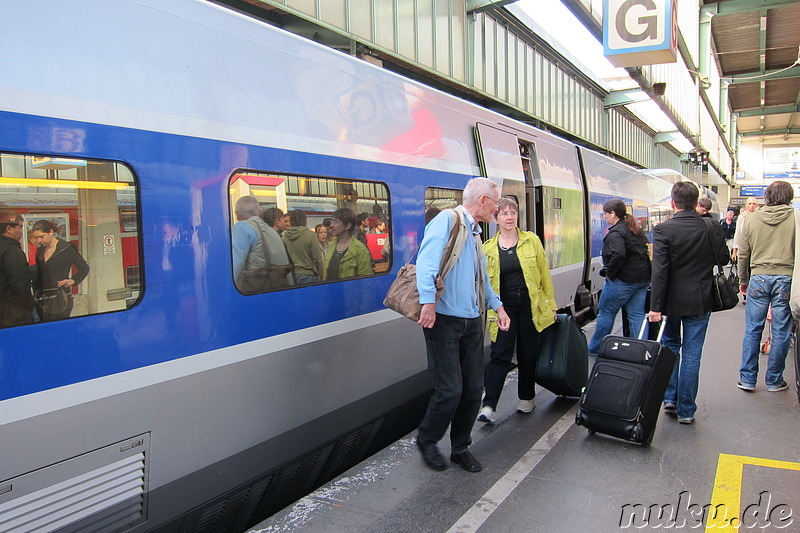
column 660, row 329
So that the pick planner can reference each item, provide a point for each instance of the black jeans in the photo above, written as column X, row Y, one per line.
column 521, row 333
column 455, row 364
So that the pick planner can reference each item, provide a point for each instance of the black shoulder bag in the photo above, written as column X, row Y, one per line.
column 725, row 295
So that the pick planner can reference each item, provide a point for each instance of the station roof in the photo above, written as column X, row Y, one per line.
column 757, row 45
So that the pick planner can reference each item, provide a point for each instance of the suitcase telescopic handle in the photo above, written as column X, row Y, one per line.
column 660, row 329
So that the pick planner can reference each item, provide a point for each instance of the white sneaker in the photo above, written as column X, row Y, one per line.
column 525, row 406
column 486, row 415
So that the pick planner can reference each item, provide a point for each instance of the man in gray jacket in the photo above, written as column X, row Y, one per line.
column 766, row 260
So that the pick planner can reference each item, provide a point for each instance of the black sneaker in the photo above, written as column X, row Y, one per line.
column 775, row 388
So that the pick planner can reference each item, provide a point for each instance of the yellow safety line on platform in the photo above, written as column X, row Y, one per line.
column 727, row 496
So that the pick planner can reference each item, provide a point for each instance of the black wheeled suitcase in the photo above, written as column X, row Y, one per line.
column 563, row 363
column 626, row 388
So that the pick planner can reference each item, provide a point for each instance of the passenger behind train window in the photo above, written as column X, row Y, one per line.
column 347, row 256
column 380, row 248
column 260, row 260
column 56, row 260
column 322, row 237
column 75, row 213
column 303, row 248
column 293, row 205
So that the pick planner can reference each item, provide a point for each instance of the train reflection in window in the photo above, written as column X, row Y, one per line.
column 79, row 235
column 288, row 231
column 437, row 200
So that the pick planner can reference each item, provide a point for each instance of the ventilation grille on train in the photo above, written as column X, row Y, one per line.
column 268, row 494
column 104, row 490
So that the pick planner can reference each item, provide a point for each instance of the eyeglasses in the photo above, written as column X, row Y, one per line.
column 492, row 199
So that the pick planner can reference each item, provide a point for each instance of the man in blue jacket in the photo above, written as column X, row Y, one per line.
column 453, row 326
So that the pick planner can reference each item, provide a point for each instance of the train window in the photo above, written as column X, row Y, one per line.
column 313, row 229
column 437, row 199
column 77, row 224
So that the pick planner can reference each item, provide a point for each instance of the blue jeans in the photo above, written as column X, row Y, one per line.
column 455, row 364
column 616, row 295
column 765, row 290
column 682, row 388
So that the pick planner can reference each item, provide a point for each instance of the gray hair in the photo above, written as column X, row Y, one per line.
column 246, row 207
column 477, row 187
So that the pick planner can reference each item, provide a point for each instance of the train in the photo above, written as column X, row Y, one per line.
column 170, row 401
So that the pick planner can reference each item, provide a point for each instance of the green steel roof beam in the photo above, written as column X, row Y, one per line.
column 730, row 7
column 667, row 136
column 784, row 131
column 765, row 75
column 479, row 6
column 704, row 52
column 762, row 57
column 624, row 97
column 772, row 110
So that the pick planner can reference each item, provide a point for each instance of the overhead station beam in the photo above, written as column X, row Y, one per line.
column 731, row 7
column 765, row 75
column 773, row 110
column 782, row 131
column 479, row 6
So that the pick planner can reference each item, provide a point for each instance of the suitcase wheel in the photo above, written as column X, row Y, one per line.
column 591, row 432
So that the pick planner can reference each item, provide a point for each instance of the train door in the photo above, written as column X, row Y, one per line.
column 533, row 192
column 499, row 160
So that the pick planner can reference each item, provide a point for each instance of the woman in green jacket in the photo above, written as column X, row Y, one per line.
column 346, row 257
column 518, row 271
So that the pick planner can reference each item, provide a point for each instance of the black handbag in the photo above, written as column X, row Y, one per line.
column 55, row 302
column 733, row 275
column 725, row 295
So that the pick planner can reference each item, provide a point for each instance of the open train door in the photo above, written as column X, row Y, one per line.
column 499, row 160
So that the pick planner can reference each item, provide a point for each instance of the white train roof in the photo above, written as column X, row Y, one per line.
column 191, row 67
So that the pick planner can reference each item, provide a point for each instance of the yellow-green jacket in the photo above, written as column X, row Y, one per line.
column 356, row 260
column 536, row 272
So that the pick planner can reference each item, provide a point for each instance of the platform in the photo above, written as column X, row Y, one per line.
column 544, row 473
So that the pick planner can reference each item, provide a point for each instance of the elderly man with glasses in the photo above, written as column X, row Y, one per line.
column 453, row 325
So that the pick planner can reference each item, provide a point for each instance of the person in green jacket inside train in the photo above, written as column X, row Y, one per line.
column 347, row 257
column 519, row 273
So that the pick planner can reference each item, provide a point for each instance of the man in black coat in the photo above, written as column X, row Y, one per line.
column 681, row 289
column 16, row 299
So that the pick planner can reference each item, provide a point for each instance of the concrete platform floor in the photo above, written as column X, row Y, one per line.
column 542, row 473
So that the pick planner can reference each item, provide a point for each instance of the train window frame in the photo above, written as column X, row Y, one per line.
column 84, row 199
column 309, row 192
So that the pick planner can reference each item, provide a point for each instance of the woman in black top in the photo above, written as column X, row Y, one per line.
column 54, row 261
column 627, row 269
column 517, row 267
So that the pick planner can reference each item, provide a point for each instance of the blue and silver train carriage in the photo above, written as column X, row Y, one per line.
column 169, row 400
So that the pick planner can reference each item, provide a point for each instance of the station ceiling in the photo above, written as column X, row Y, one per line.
column 757, row 44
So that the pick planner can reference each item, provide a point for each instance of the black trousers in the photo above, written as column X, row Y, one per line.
column 524, row 336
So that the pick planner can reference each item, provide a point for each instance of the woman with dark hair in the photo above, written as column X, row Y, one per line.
column 626, row 266
column 54, row 261
column 346, row 257
column 518, row 271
